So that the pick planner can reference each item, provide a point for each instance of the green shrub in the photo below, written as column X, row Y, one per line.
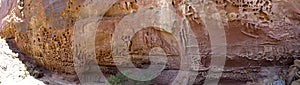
column 120, row 79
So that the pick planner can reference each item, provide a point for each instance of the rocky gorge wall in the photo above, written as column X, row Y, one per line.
column 261, row 35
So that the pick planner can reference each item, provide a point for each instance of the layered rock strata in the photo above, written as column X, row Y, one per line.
column 261, row 35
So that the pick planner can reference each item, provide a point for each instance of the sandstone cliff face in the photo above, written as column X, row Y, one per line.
column 259, row 33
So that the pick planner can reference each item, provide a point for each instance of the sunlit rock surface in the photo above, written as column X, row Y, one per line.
column 262, row 35
column 12, row 70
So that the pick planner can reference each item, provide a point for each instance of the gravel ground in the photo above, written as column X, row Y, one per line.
column 12, row 70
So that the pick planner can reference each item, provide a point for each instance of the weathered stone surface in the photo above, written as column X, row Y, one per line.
column 259, row 33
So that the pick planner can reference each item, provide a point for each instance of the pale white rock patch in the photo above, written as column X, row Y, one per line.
column 12, row 70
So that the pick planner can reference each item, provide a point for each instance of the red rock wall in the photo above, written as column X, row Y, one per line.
column 259, row 34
